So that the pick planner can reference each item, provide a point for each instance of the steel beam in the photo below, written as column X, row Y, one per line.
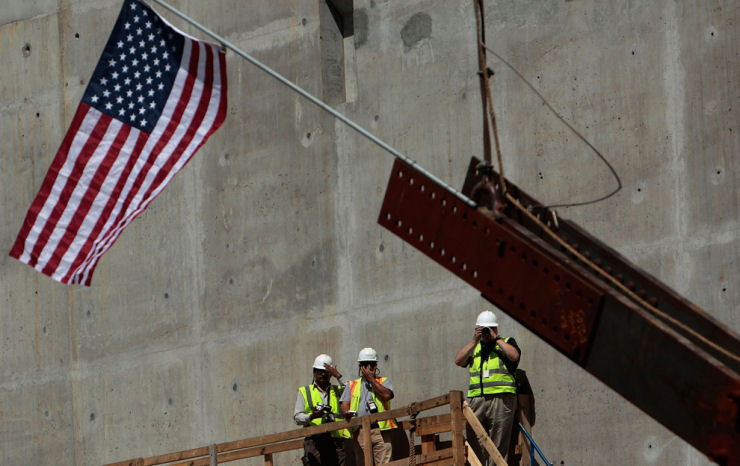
column 692, row 389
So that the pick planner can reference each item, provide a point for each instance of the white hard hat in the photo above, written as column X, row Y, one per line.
column 486, row 319
column 318, row 363
column 367, row 354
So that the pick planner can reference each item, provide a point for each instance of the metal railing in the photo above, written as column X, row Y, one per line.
column 534, row 448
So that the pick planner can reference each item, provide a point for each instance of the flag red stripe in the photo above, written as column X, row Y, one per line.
column 79, row 165
column 200, row 113
column 87, row 200
column 110, row 236
column 166, row 170
column 221, row 113
column 107, row 210
column 51, row 175
column 107, row 172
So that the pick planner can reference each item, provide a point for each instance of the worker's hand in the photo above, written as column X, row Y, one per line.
column 494, row 332
column 349, row 415
column 368, row 373
column 316, row 413
column 478, row 334
column 333, row 371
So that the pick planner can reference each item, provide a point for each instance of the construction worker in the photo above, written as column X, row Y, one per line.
column 368, row 395
column 492, row 389
column 318, row 404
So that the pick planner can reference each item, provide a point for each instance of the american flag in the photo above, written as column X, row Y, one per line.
column 155, row 97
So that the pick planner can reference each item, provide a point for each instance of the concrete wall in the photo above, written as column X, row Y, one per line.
column 264, row 251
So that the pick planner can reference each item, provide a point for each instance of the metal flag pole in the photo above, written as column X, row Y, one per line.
column 316, row 101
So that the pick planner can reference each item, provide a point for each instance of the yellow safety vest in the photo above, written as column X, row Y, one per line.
column 311, row 393
column 490, row 376
column 354, row 393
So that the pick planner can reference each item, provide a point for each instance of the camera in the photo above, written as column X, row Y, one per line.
column 328, row 415
column 372, row 407
column 486, row 331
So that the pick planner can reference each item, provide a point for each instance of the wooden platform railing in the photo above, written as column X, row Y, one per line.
column 431, row 450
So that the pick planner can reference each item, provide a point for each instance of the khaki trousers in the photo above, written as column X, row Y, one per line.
column 496, row 414
column 380, row 442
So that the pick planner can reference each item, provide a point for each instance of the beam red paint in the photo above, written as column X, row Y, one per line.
column 690, row 388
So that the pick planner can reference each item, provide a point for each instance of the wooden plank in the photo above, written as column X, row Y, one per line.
column 456, row 416
column 439, row 455
column 428, row 443
column 282, row 436
column 198, row 453
column 471, row 456
column 443, row 444
column 260, row 451
column 482, row 435
column 526, row 448
column 193, row 462
column 433, row 424
column 131, row 462
column 442, row 462
column 428, row 425
column 304, row 432
column 179, row 455
column 246, row 453
column 365, row 442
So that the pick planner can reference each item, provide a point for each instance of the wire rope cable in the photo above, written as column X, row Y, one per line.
column 570, row 127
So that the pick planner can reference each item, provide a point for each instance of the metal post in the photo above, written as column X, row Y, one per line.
column 315, row 100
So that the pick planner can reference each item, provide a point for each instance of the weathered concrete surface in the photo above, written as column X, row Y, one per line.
column 204, row 317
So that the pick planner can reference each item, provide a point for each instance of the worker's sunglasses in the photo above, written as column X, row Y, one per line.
column 367, row 363
column 320, row 371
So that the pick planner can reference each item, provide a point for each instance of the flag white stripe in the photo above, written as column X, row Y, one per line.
column 60, row 228
column 106, row 172
column 199, row 135
column 98, row 206
column 86, row 128
column 183, row 157
column 110, row 231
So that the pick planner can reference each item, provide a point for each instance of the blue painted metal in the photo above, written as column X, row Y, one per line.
column 535, row 447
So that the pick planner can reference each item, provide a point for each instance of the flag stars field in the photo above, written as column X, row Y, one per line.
column 153, row 100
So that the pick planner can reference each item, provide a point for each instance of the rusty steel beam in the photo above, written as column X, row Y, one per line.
column 692, row 389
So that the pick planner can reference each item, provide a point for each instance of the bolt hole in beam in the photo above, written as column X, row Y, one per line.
column 496, row 248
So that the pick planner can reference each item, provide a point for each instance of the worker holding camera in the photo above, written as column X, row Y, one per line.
column 368, row 395
column 492, row 361
column 318, row 404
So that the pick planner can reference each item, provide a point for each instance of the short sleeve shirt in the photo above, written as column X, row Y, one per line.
column 365, row 390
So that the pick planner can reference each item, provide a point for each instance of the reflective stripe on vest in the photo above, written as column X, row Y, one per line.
column 309, row 391
column 499, row 379
column 383, row 406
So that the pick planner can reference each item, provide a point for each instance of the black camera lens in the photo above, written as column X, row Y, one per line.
column 486, row 331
